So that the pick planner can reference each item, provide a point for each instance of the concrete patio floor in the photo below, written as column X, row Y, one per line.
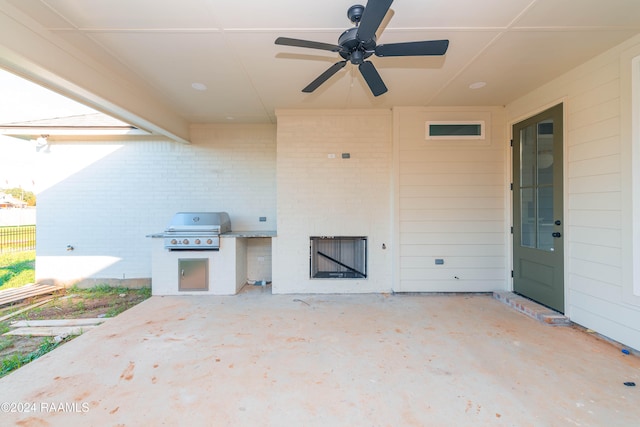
column 326, row 360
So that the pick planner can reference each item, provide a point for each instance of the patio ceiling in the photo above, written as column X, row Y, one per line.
column 137, row 60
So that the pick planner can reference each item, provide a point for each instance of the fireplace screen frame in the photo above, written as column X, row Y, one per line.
column 338, row 257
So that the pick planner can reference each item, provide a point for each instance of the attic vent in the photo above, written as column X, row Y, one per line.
column 455, row 130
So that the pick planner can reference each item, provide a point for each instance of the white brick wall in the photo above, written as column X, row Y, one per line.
column 103, row 198
column 322, row 196
column 259, row 255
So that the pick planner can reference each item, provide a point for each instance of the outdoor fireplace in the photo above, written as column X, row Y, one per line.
column 338, row 257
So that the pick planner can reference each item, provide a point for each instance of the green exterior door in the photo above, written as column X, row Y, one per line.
column 538, row 252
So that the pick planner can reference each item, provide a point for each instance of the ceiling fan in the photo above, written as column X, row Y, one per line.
column 359, row 43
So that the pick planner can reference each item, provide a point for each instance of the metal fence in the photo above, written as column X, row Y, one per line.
column 17, row 238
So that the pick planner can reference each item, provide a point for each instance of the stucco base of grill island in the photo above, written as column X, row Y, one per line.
column 225, row 269
column 189, row 259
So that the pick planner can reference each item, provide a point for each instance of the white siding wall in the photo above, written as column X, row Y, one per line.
column 107, row 196
column 451, row 203
column 595, row 233
column 322, row 196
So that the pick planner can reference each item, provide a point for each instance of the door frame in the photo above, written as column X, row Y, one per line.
column 565, row 185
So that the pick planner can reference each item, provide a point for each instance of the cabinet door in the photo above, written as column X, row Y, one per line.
column 193, row 274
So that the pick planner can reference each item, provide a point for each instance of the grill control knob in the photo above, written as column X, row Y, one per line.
column 209, row 241
column 174, row 241
column 197, row 241
column 185, row 241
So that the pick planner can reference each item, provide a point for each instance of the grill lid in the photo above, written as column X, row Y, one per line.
column 217, row 222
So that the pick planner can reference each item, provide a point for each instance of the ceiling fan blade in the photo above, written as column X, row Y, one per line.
column 372, row 78
column 286, row 41
column 372, row 17
column 432, row 47
column 324, row 76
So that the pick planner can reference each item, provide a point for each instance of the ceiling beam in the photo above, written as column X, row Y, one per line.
column 32, row 52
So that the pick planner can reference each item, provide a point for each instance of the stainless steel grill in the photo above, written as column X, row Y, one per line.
column 196, row 231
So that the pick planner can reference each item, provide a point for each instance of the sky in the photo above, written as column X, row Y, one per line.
column 22, row 100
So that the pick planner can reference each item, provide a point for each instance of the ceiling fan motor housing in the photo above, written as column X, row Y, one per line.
column 359, row 43
column 355, row 49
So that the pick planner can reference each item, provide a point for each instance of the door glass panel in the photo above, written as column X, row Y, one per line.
column 527, row 156
column 544, row 183
column 545, row 218
column 536, row 186
column 545, row 153
column 528, row 218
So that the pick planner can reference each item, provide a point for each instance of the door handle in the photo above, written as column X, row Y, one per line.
column 556, row 234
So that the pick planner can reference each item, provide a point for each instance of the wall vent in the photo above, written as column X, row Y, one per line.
column 455, row 130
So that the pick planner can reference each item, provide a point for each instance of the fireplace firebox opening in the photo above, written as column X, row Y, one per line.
column 338, row 257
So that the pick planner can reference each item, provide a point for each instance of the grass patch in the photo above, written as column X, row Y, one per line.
column 103, row 290
column 71, row 303
column 17, row 269
column 98, row 301
column 5, row 342
column 14, row 361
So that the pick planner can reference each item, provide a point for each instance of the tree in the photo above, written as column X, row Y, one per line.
column 21, row 194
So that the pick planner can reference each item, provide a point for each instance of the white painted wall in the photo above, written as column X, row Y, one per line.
column 322, row 196
column 17, row 216
column 598, row 190
column 452, row 203
column 104, row 198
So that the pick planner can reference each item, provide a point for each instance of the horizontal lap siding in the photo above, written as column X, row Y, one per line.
column 594, row 208
column 451, row 206
column 428, row 252
column 594, row 193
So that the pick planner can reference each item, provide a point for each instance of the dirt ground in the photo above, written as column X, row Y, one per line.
column 67, row 304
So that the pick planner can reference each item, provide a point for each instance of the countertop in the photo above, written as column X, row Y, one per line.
column 260, row 233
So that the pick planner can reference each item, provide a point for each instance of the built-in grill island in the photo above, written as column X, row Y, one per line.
column 199, row 254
